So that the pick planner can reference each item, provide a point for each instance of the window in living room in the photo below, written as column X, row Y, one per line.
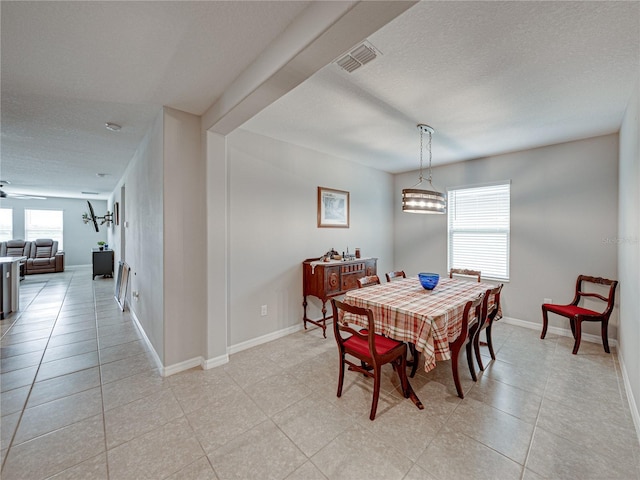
column 6, row 224
column 43, row 224
column 479, row 229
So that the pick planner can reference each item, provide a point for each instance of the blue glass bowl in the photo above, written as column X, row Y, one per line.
column 429, row 280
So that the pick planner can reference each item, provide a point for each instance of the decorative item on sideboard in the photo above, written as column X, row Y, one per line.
column 101, row 245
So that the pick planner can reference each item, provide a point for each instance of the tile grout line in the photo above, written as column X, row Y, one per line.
column 26, row 401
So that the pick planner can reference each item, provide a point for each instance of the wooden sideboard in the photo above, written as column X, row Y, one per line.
column 330, row 279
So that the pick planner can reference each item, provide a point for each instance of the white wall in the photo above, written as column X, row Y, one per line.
column 273, row 227
column 79, row 238
column 564, row 201
column 185, row 241
column 629, row 248
column 144, row 213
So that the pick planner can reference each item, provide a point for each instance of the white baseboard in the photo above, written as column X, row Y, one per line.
column 214, row 362
column 254, row 342
column 564, row 332
column 633, row 406
column 154, row 354
column 210, row 362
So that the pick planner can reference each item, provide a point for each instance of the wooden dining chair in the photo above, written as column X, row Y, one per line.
column 393, row 275
column 577, row 314
column 488, row 313
column 465, row 272
column 368, row 280
column 370, row 348
column 472, row 312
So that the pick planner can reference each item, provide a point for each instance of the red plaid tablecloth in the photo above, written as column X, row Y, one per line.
column 405, row 311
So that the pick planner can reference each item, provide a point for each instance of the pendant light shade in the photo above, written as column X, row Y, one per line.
column 417, row 200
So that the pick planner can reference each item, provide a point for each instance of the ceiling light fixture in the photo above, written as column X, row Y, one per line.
column 416, row 200
column 114, row 127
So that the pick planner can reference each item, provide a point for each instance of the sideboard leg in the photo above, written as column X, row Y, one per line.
column 324, row 318
column 304, row 305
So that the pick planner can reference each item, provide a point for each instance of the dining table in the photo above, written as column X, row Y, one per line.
column 404, row 310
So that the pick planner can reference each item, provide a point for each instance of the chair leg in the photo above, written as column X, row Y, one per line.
column 605, row 336
column 472, row 370
column 341, row 375
column 545, row 322
column 376, row 392
column 455, row 350
column 490, row 341
column 473, row 332
column 576, row 327
column 476, row 348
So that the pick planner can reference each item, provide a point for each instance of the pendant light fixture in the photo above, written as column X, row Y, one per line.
column 416, row 200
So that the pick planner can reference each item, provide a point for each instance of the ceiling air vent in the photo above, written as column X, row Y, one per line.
column 357, row 57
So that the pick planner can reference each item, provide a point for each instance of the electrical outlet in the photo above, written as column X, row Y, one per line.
column 547, row 300
column 263, row 310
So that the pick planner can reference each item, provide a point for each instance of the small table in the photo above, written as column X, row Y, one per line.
column 430, row 319
column 102, row 263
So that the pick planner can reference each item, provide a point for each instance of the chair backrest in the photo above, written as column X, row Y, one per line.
column 368, row 280
column 472, row 310
column 43, row 248
column 342, row 328
column 16, row 248
column 464, row 272
column 489, row 312
column 609, row 299
column 391, row 275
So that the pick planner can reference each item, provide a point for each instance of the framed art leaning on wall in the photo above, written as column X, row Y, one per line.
column 333, row 208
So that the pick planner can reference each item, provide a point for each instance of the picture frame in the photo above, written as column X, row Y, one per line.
column 333, row 208
column 121, row 284
column 116, row 213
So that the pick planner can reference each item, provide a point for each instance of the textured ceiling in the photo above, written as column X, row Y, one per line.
column 70, row 67
column 490, row 77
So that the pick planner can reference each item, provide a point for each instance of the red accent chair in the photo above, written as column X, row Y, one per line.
column 577, row 314
column 371, row 349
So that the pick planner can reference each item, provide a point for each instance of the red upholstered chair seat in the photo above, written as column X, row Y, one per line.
column 360, row 345
column 570, row 310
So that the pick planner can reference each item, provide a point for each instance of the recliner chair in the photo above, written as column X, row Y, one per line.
column 44, row 257
column 16, row 248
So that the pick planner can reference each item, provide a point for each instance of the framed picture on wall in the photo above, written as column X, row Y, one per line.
column 333, row 208
column 116, row 213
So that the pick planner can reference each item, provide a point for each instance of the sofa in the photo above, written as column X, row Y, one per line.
column 42, row 255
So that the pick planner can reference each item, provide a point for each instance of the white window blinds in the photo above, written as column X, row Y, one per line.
column 478, row 230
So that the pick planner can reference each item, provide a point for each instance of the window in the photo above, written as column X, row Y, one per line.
column 478, row 230
column 43, row 224
column 6, row 224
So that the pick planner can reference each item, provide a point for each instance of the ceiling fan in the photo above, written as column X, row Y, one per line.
column 19, row 196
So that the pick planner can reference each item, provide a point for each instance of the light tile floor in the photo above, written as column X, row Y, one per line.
column 81, row 399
